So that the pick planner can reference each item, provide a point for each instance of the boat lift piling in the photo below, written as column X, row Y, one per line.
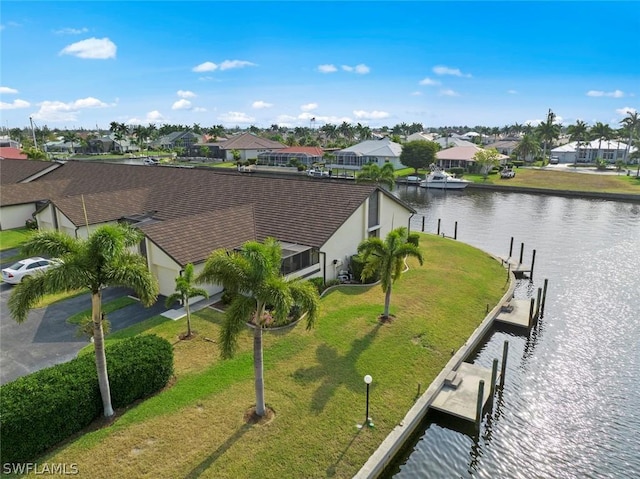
column 538, row 303
column 455, row 231
column 503, row 368
column 479, row 404
column 510, row 248
column 544, row 296
column 438, row 233
column 531, row 312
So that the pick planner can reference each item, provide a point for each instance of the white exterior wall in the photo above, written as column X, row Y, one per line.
column 392, row 215
column 166, row 270
column 344, row 242
column 15, row 216
column 45, row 219
column 65, row 225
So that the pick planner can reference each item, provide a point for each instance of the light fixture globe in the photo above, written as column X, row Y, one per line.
column 368, row 379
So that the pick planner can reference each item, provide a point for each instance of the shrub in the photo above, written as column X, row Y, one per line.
column 318, row 283
column 457, row 171
column 414, row 239
column 518, row 163
column 39, row 410
column 357, row 266
column 31, row 224
column 252, row 161
column 301, row 167
column 226, row 297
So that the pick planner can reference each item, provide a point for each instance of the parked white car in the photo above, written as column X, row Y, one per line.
column 15, row 273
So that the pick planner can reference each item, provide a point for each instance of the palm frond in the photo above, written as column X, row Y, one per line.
column 237, row 315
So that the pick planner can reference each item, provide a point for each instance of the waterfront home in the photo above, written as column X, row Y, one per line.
column 461, row 156
column 590, row 151
column 378, row 152
column 186, row 213
column 248, row 145
column 304, row 155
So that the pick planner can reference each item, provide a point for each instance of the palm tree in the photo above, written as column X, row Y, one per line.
column 103, row 259
column 372, row 173
column 527, row 147
column 601, row 131
column 547, row 132
column 253, row 276
column 630, row 123
column 387, row 258
column 70, row 137
column 577, row 133
column 185, row 290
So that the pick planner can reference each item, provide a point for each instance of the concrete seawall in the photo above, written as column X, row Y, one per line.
column 398, row 437
column 571, row 194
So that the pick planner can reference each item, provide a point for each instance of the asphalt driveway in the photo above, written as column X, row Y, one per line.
column 45, row 338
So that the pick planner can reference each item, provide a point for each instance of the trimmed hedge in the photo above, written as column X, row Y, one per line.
column 40, row 410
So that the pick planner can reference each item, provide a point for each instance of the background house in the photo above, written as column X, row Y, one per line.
column 590, row 151
column 304, row 155
column 461, row 156
column 369, row 151
column 249, row 146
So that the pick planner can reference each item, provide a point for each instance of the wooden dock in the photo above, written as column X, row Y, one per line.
column 459, row 394
column 520, row 270
column 515, row 312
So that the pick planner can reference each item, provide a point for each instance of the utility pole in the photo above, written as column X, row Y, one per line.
column 33, row 132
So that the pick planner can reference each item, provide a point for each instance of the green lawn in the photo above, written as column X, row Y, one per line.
column 313, row 381
column 14, row 238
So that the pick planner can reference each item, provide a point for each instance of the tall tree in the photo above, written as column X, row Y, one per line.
column 528, row 147
column 387, row 258
column 486, row 159
column 419, row 154
column 601, row 131
column 253, row 276
column 547, row 132
column 70, row 137
column 103, row 259
column 578, row 133
column 631, row 124
column 185, row 290
column 372, row 173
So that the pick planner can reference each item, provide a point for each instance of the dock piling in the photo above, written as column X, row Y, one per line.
column 503, row 368
column 533, row 262
column 531, row 309
column 479, row 404
column 544, row 296
column 538, row 303
column 511, row 248
column 494, row 377
column 521, row 252
column 455, row 231
column 438, row 233
column 423, row 223
column 508, row 271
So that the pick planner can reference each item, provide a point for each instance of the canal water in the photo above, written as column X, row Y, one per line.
column 570, row 407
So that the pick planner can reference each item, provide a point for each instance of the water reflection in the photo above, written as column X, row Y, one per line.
column 571, row 396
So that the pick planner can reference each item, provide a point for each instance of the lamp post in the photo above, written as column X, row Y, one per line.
column 367, row 379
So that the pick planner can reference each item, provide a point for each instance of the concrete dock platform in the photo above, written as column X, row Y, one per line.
column 515, row 313
column 461, row 401
column 518, row 269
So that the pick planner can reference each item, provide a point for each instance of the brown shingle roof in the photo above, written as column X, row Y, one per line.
column 292, row 209
column 192, row 239
column 249, row 141
column 15, row 171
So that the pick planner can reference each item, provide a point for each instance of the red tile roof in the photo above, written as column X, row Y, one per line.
column 10, row 153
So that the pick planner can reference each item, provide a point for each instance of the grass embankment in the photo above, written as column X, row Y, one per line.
column 565, row 180
column 313, row 381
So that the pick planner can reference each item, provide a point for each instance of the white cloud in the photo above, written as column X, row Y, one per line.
column 185, row 94
column 612, row 94
column 92, row 48
column 259, row 105
column 448, row 92
column 429, row 81
column 60, row 111
column 181, row 105
column 231, row 64
column 71, row 31
column 361, row 69
column 370, row 115
column 236, row 117
column 327, row 68
column 533, row 122
column 416, row 93
column 443, row 70
column 309, row 106
column 512, row 92
column 625, row 111
column 152, row 117
column 205, row 67
column 199, row 109
column 14, row 105
column 5, row 90
column 303, row 119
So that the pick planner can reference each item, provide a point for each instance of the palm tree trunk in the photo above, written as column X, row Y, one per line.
column 101, row 359
column 258, row 363
column 188, row 318
column 387, row 302
column 258, row 369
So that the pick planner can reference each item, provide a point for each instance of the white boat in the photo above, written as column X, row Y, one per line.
column 443, row 180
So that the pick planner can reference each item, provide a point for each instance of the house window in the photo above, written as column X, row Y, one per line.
column 608, row 155
column 374, row 210
column 299, row 261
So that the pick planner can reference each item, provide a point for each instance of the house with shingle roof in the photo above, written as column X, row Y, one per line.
column 305, row 155
column 186, row 213
column 461, row 156
column 369, row 151
column 249, row 145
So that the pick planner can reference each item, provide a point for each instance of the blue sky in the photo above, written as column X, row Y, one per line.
column 82, row 64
